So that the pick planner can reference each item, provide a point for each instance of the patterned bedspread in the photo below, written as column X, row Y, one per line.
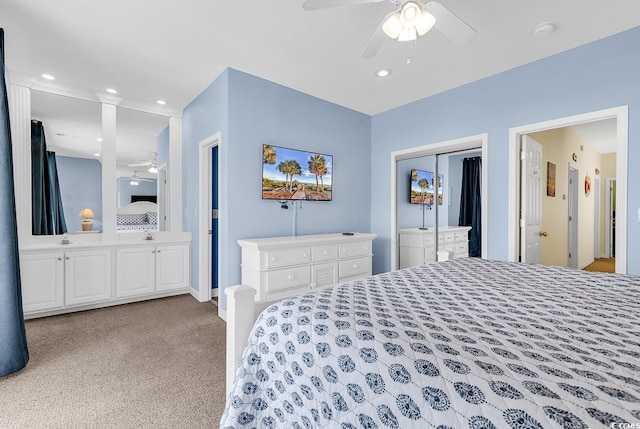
column 466, row 343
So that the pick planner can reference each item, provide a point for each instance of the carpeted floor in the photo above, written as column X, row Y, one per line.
column 154, row 364
column 603, row 265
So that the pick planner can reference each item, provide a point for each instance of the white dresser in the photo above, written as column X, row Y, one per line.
column 418, row 247
column 282, row 266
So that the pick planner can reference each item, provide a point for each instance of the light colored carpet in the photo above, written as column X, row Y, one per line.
column 603, row 265
column 154, row 364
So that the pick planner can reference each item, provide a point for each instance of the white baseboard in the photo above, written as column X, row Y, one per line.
column 581, row 267
column 214, row 292
column 222, row 313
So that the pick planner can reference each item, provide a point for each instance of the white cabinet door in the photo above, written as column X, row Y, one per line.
column 135, row 271
column 87, row 276
column 172, row 267
column 42, row 278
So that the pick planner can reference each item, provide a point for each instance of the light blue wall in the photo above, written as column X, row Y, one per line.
column 125, row 190
column 596, row 76
column 80, row 186
column 206, row 115
column 262, row 112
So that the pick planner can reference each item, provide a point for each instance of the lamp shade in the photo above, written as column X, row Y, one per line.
column 86, row 213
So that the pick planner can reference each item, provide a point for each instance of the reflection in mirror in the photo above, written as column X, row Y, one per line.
column 66, row 167
column 142, row 157
column 416, row 192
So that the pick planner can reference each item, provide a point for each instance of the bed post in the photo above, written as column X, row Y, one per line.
column 240, row 319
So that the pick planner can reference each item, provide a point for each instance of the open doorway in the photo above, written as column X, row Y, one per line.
column 568, row 210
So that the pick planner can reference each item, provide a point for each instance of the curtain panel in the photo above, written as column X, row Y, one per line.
column 14, row 354
column 471, row 204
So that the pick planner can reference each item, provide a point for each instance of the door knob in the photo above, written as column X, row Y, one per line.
column 542, row 234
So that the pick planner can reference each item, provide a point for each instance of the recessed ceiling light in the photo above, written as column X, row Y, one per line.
column 96, row 154
column 544, row 29
column 111, row 91
column 383, row 72
column 161, row 102
column 48, row 76
column 99, row 139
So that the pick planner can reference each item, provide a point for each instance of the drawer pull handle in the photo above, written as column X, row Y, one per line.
column 304, row 255
column 67, row 258
column 292, row 277
column 325, row 252
column 274, row 259
column 344, row 250
column 59, row 258
column 356, row 266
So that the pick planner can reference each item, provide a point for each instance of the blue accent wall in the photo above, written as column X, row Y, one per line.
column 600, row 75
column 262, row 112
column 81, row 187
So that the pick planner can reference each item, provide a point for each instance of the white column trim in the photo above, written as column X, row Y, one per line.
column 175, row 172
column 109, row 180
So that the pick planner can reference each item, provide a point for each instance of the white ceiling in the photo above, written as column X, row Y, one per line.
column 170, row 49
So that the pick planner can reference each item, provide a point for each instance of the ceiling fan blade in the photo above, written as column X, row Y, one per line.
column 449, row 24
column 376, row 41
column 324, row 4
column 140, row 164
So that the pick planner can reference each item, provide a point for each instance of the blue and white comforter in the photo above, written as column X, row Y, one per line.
column 466, row 343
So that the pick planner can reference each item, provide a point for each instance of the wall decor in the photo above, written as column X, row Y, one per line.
column 574, row 157
column 587, row 185
column 290, row 174
column 551, row 179
column 597, row 171
column 421, row 189
column 440, row 188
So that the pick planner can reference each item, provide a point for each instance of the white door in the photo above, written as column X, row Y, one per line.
column 530, row 200
column 572, row 257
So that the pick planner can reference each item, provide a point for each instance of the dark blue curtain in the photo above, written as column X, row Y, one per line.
column 470, row 203
column 14, row 354
column 48, row 214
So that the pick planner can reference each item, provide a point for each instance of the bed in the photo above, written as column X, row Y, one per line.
column 138, row 216
column 465, row 343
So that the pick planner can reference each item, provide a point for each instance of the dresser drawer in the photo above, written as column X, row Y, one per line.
column 449, row 237
column 288, row 278
column 360, row 248
column 461, row 248
column 462, row 236
column 324, row 253
column 355, row 267
column 283, row 258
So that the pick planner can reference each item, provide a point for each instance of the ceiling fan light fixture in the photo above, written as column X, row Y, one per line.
column 407, row 35
column 392, row 25
column 425, row 23
column 153, row 169
column 410, row 14
column 134, row 182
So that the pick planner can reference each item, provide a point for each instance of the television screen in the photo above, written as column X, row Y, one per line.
column 289, row 174
column 421, row 188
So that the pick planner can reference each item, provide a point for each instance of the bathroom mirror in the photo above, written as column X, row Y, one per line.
column 142, row 158
column 66, row 165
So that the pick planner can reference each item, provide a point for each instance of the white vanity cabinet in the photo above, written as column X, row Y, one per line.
column 52, row 280
column 60, row 279
column 418, row 247
column 147, row 269
column 282, row 266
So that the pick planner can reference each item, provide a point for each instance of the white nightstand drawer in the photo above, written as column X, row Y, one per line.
column 360, row 248
column 324, row 253
column 283, row 258
column 461, row 248
column 288, row 278
column 355, row 267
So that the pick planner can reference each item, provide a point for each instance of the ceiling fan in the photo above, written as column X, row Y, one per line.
column 135, row 179
column 151, row 163
column 411, row 19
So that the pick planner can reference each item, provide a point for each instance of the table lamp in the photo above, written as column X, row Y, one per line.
column 87, row 214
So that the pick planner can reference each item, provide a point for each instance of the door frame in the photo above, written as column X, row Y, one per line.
column 607, row 212
column 163, row 192
column 573, row 194
column 480, row 142
column 621, row 114
column 204, row 215
column 597, row 202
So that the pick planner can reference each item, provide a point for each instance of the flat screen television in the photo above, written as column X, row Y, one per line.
column 290, row 174
column 421, row 189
